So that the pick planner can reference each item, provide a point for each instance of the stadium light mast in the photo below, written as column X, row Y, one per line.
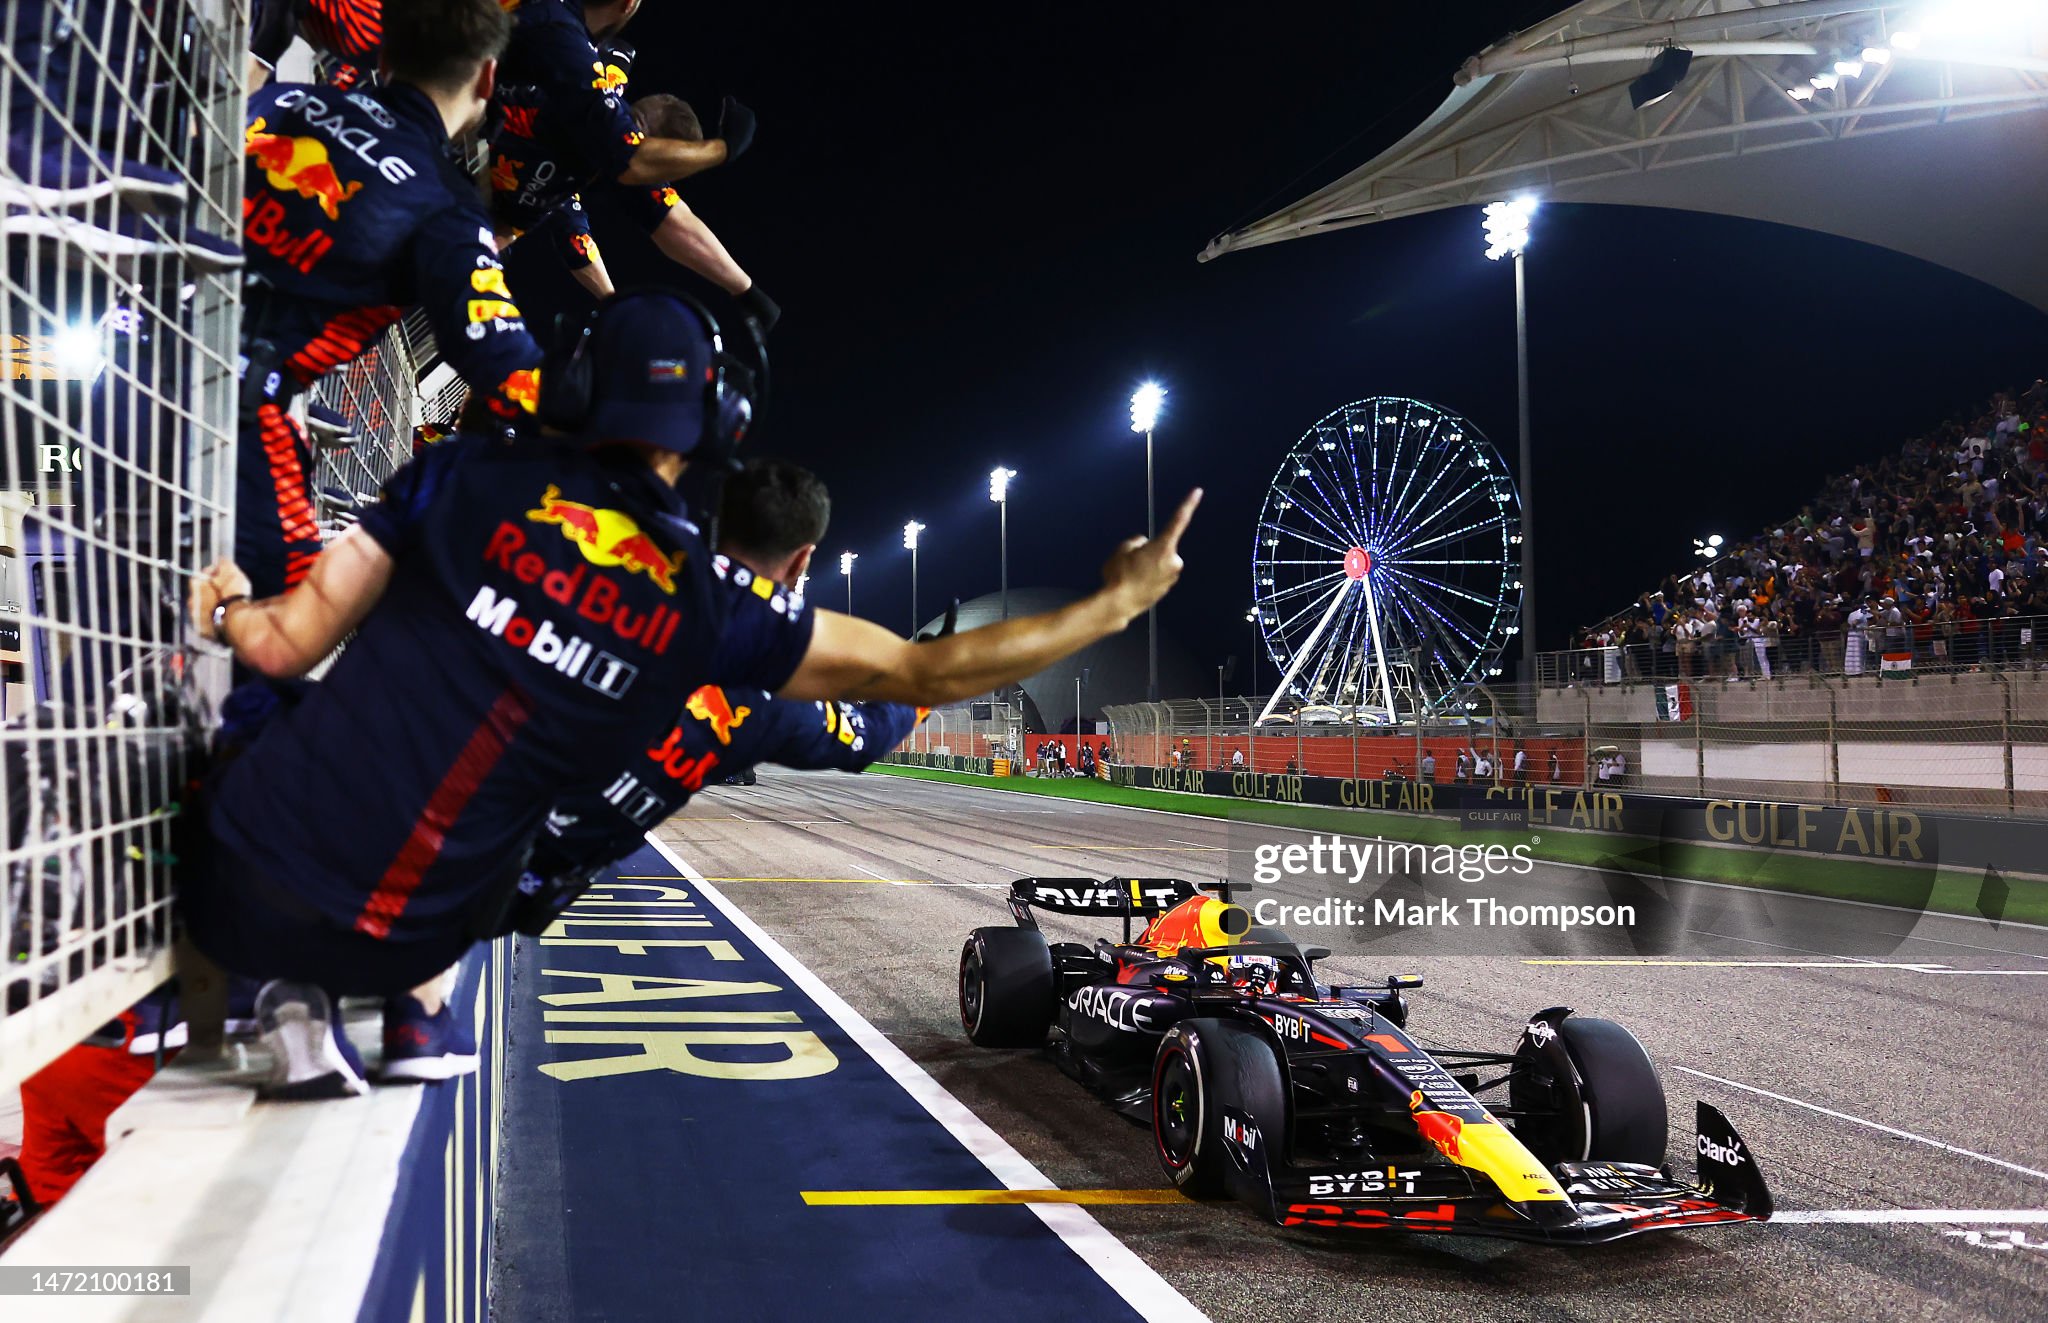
column 999, row 492
column 910, row 532
column 846, row 560
column 1145, row 405
column 1507, row 233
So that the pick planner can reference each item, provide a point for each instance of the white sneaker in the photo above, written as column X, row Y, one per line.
column 314, row 1058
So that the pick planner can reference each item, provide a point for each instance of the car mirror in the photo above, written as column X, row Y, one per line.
column 1315, row 953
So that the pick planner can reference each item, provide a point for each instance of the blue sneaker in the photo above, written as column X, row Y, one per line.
column 314, row 1058
column 419, row 1046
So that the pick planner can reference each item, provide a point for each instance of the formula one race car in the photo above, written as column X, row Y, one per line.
column 1314, row 1105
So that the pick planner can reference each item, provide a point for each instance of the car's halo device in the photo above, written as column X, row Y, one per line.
column 1313, row 1104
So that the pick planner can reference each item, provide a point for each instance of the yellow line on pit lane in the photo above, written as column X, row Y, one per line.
column 874, row 1198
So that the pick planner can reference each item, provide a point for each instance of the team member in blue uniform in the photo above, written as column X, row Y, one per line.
column 533, row 187
column 523, row 616
column 771, row 520
column 355, row 210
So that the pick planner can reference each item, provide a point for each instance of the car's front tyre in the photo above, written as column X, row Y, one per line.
column 1206, row 1074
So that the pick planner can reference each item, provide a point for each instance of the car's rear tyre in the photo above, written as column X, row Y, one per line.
column 1007, row 992
column 1202, row 1067
column 1616, row 1114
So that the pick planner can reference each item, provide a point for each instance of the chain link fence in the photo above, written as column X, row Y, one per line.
column 120, row 201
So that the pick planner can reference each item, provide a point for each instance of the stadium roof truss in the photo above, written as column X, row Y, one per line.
column 1936, row 145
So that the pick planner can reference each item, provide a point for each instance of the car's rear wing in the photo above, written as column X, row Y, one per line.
column 1123, row 898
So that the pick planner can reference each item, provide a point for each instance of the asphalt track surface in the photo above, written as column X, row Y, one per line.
column 1927, row 1040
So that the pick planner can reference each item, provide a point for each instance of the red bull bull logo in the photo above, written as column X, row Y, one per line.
column 608, row 537
column 1439, row 1128
column 522, row 389
column 299, row 165
column 710, row 706
column 609, row 77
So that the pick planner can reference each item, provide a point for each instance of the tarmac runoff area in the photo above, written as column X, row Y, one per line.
column 1884, row 1067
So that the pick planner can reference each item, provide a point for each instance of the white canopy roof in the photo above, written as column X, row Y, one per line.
column 1937, row 147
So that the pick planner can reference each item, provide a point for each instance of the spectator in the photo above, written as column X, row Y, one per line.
column 1237, row 760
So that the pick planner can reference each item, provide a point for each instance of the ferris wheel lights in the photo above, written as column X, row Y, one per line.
column 1877, row 55
column 1849, row 68
column 1145, row 403
column 1826, row 81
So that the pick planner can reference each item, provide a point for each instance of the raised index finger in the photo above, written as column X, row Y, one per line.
column 1178, row 523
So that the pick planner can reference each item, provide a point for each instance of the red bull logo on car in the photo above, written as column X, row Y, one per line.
column 299, row 165
column 608, row 537
column 1439, row 1128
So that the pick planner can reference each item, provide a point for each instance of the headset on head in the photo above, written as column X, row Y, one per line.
column 734, row 397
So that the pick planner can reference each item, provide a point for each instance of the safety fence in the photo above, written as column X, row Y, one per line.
column 1225, row 734
column 119, row 307
column 1908, row 647
column 978, row 732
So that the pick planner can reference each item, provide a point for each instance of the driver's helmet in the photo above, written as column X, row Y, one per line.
column 1254, row 973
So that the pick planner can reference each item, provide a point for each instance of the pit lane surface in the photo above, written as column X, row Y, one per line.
column 1931, row 1079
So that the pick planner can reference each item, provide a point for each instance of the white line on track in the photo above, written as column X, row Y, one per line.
column 879, row 877
column 1873, row 1125
column 1128, row 1275
column 2005, row 1216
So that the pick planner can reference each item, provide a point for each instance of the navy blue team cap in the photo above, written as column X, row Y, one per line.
column 650, row 364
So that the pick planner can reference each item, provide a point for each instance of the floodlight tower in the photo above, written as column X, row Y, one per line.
column 1507, row 233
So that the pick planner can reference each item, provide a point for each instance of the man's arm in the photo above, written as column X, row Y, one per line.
column 686, row 240
column 288, row 635
column 663, row 160
column 853, row 658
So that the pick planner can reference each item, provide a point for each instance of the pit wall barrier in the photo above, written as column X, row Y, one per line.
column 434, row 1260
column 1891, row 835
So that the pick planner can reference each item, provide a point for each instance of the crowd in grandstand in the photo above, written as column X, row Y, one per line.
column 1933, row 558
column 545, row 657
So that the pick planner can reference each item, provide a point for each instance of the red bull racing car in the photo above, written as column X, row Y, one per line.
column 1314, row 1105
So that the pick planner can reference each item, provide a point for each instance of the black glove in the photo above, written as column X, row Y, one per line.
column 759, row 309
column 736, row 126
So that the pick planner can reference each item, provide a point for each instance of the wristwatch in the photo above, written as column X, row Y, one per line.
column 220, row 614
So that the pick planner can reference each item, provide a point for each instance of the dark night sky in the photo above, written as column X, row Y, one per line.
column 983, row 236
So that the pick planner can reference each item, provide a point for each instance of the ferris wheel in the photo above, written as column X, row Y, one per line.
column 1386, row 568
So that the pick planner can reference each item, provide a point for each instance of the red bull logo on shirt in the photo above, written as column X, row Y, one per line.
column 710, row 706
column 594, row 597
column 299, row 165
column 609, row 77
column 608, row 537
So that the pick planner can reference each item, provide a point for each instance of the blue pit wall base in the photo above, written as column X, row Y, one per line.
column 677, row 1081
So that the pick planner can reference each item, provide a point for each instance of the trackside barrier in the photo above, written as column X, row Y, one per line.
column 434, row 1263
column 1896, row 835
